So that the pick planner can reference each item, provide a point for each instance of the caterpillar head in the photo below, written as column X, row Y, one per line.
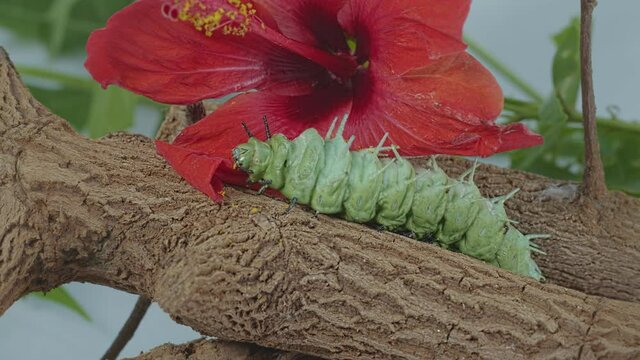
column 252, row 157
column 243, row 155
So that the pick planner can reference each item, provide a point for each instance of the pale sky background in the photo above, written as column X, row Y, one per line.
column 518, row 32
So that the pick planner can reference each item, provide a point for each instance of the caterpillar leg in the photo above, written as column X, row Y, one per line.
column 292, row 204
column 265, row 184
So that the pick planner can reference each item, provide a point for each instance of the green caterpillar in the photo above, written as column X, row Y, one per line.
column 362, row 187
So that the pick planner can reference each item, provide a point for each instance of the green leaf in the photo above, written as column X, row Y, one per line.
column 83, row 102
column 72, row 81
column 566, row 64
column 111, row 110
column 621, row 158
column 69, row 103
column 551, row 125
column 62, row 297
column 67, row 95
column 59, row 14
column 64, row 25
column 562, row 154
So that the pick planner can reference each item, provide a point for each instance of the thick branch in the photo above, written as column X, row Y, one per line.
column 111, row 212
column 218, row 350
column 168, row 130
column 594, row 182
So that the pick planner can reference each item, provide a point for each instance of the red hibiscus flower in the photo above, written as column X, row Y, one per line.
column 396, row 66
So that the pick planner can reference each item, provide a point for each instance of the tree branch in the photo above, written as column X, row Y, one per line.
column 204, row 349
column 594, row 185
column 168, row 130
column 111, row 212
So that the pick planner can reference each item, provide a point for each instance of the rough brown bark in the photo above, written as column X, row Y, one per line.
column 218, row 350
column 111, row 212
column 167, row 131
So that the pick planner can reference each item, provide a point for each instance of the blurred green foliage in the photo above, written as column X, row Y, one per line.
column 556, row 117
column 64, row 27
column 62, row 297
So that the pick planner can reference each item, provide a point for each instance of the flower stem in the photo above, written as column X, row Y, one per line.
column 616, row 124
column 522, row 110
column 71, row 81
column 76, row 82
column 594, row 185
column 502, row 69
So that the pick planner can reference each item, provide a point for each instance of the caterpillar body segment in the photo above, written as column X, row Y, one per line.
column 275, row 173
column 332, row 184
column 484, row 237
column 362, row 187
column 515, row 254
column 305, row 160
column 429, row 201
column 397, row 194
column 365, row 184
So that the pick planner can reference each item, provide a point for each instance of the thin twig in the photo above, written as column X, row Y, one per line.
column 129, row 328
column 594, row 185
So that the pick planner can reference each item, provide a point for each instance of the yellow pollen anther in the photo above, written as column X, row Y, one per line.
column 233, row 17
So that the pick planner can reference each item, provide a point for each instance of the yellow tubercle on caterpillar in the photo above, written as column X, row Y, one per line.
column 232, row 17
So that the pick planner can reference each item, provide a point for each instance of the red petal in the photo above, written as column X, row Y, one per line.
column 171, row 62
column 196, row 168
column 201, row 153
column 456, row 86
column 400, row 35
column 221, row 131
column 310, row 22
column 445, row 108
